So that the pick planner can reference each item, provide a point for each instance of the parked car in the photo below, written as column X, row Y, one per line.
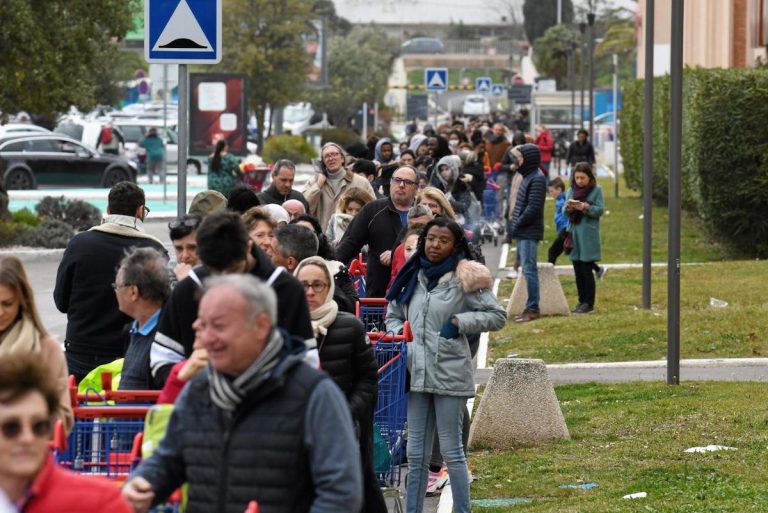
column 27, row 161
column 21, row 128
column 476, row 105
column 423, row 45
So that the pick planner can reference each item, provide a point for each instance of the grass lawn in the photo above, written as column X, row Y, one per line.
column 621, row 233
column 416, row 76
column 630, row 438
column 619, row 330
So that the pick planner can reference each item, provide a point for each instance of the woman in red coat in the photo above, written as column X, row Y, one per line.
column 546, row 144
column 29, row 476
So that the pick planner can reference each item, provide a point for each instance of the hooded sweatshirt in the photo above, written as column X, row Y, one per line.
column 377, row 152
column 437, row 180
column 416, row 141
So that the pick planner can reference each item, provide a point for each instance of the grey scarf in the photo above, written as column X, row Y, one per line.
column 228, row 393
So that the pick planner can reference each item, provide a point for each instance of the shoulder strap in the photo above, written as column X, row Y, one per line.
column 192, row 274
column 274, row 275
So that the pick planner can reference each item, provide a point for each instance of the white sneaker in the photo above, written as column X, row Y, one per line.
column 512, row 275
column 436, row 481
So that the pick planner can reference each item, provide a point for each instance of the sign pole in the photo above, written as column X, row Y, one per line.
column 615, row 125
column 165, row 131
column 183, row 140
column 365, row 121
column 648, row 152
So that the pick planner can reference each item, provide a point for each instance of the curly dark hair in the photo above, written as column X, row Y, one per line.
column 124, row 198
column 460, row 242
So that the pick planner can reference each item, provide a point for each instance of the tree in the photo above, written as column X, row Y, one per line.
column 49, row 51
column 359, row 67
column 539, row 15
column 263, row 40
column 550, row 53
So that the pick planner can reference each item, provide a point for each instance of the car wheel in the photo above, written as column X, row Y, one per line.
column 19, row 179
column 114, row 176
column 193, row 166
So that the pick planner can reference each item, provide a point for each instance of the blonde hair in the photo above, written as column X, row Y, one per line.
column 255, row 215
column 13, row 275
column 437, row 195
column 354, row 194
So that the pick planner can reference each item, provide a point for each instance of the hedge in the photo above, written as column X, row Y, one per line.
column 725, row 151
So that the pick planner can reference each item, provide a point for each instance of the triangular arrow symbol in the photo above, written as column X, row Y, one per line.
column 182, row 33
column 436, row 80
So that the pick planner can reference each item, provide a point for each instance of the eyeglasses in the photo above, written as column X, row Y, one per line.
column 146, row 210
column 191, row 222
column 402, row 181
column 115, row 286
column 316, row 286
column 12, row 428
column 432, row 206
column 332, row 154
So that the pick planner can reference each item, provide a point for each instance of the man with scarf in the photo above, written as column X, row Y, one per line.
column 257, row 424
column 83, row 281
column 527, row 226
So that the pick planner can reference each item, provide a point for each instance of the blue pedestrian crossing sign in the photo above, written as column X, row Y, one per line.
column 483, row 84
column 182, row 31
column 436, row 79
column 497, row 89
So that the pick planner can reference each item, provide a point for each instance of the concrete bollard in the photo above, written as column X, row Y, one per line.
column 551, row 296
column 518, row 408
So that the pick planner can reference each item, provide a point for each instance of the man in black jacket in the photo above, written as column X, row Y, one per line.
column 224, row 247
column 528, row 224
column 580, row 150
column 83, row 281
column 281, row 189
column 378, row 224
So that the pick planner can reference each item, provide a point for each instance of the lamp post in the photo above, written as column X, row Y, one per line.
column 582, row 29
column 571, row 52
column 591, row 36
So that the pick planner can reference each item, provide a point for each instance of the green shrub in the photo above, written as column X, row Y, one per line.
column 724, row 151
column 9, row 232
column 26, row 216
column 51, row 207
column 291, row 147
column 81, row 215
column 340, row 136
column 51, row 233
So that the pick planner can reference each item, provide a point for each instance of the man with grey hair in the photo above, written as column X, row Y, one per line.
column 329, row 183
column 378, row 224
column 141, row 286
column 281, row 189
column 257, row 423
column 293, row 243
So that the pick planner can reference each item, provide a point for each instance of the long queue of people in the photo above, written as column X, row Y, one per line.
column 248, row 327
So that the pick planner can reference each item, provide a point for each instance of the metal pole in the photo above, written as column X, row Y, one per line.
column 582, row 28
column 183, row 140
column 165, row 131
column 571, row 65
column 648, row 152
column 615, row 126
column 365, row 121
column 675, row 159
column 559, row 11
column 591, row 32
column 375, row 116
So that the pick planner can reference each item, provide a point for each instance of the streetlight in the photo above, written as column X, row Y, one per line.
column 571, row 53
column 582, row 29
column 591, row 21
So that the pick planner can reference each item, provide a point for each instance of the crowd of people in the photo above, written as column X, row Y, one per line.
column 248, row 326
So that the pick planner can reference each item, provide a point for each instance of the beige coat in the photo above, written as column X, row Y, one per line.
column 322, row 201
column 24, row 338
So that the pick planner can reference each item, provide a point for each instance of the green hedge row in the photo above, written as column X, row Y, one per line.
column 725, row 151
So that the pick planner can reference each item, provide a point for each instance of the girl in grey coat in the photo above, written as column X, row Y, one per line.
column 444, row 296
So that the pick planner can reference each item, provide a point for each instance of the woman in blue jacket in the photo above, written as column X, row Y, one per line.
column 444, row 296
column 584, row 205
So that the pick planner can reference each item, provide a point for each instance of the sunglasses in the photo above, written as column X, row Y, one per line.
column 12, row 429
column 178, row 223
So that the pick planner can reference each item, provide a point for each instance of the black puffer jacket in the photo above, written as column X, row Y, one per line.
column 270, row 195
column 347, row 357
column 528, row 217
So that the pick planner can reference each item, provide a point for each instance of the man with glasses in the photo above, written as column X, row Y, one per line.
column 29, row 476
column 378, row 225
column 281, row 189
column 94, row 323
column 329, row 183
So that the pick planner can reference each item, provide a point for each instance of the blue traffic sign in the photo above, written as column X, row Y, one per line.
column 483, row 84
column 182, row 31
column 497, row 89
column 436, row 79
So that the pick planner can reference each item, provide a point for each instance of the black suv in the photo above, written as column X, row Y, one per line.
column 27, row 161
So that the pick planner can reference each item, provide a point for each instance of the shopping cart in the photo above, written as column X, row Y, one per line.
column 488, row 228
column 371, row 311
column 254, row 176
column 357, row 269
column 108, row 395
column 392, row 404
column 102, row 440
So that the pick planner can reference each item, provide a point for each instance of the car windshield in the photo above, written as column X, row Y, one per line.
column 293, row 114
column 475, row 99
column 72, row 130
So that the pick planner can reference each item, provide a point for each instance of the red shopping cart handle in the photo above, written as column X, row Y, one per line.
column 114, row 412
column 405, row 336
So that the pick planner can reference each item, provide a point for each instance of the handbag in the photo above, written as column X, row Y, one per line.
column 568, row 244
